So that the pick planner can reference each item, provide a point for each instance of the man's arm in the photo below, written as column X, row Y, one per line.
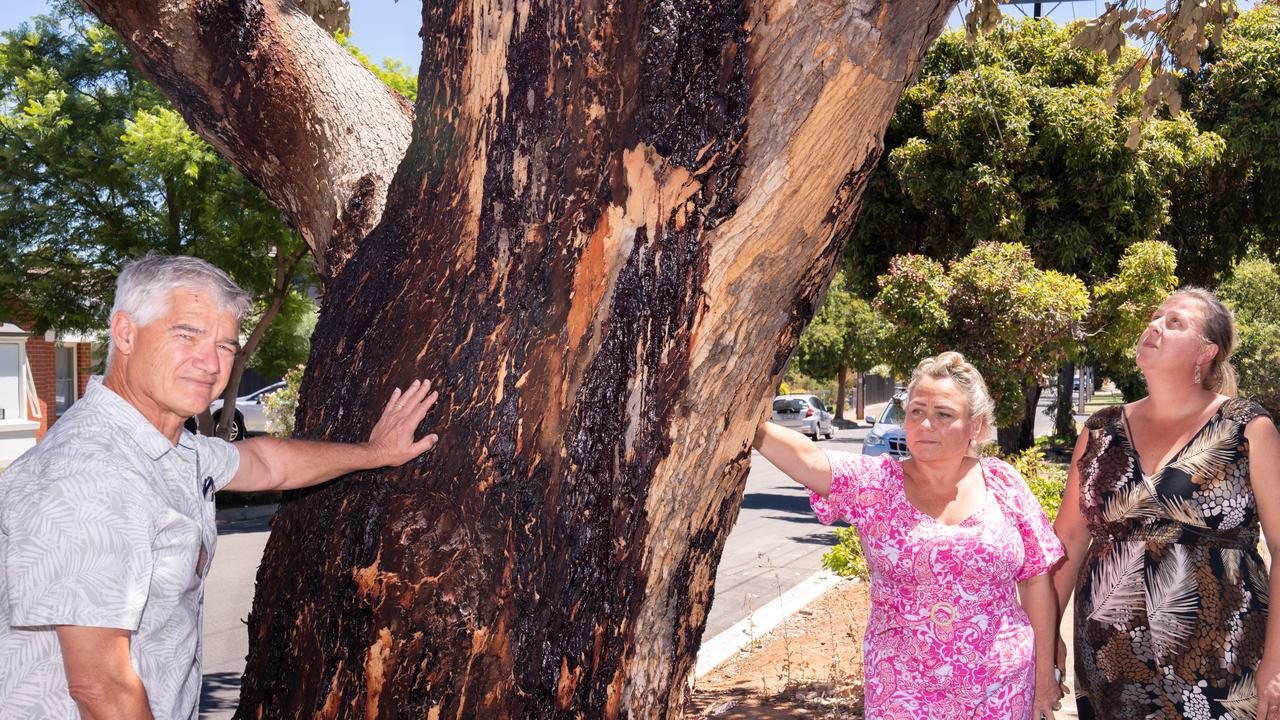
column 276, row 464
column 100, row 675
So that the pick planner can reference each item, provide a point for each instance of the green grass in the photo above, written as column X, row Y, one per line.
column 1101, row 400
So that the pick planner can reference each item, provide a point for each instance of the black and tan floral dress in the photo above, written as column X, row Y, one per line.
column 1171, row 603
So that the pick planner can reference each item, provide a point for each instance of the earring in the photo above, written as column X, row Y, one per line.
column 1197, row 377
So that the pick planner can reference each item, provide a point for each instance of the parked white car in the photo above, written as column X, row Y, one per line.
column 249, row 419
column 804, row 413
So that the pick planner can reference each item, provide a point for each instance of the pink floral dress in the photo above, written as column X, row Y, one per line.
column 946, row 637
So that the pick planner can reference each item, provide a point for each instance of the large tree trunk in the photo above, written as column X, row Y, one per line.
column 608, row 231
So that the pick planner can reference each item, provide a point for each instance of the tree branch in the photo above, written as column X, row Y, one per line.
column 276, row 95
column 279, row 291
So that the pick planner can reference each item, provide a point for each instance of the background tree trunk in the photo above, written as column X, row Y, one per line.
column 609, row 228
column 285, row 266
column 1021, row 436
column 842, row 385
column 1031, row 411
column 1064, row 421
column 861, row 384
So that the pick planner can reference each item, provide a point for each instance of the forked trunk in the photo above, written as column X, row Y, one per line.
column 612, row 223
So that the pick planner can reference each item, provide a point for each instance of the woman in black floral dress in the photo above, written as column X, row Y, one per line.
column 1160, row 520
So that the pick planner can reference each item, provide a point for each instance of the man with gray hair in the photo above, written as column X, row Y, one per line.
column 107, row 526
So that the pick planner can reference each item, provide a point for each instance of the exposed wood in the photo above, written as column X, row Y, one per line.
column 329, row 14
column 276, row 95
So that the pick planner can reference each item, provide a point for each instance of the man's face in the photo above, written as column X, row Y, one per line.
column 181, row 360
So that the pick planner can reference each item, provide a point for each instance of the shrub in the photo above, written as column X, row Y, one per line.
column 279, row 407
column 1046, row 479
column 846, row 557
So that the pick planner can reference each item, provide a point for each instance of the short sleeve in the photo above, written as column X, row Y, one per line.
column 218, row 459
column 1041, row 547
column 849, row 474
column 79, row 548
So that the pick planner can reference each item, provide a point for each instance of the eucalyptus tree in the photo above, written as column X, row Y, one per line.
column 601, row 228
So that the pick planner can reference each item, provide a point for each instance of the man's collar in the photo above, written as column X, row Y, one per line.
column 133, row 423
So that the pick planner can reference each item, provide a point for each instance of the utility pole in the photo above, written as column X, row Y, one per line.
column 1037, row 10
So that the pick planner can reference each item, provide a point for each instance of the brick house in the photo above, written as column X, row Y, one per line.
column 40, row 377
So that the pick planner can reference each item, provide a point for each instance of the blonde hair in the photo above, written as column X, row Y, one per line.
column 952, row 366
column 1217, row 327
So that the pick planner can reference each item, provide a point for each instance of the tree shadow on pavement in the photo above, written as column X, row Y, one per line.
column 774, row 501
column 235, row 527
column 220, row 691
column 828, row 539
column 810, row 700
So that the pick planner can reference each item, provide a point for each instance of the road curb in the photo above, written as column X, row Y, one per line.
column 767, row 617
column 253, row 512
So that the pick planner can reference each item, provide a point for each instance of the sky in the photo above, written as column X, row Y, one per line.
column 389, row 28
column 382, row 28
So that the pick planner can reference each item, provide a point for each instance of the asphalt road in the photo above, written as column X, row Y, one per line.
column 775, row 544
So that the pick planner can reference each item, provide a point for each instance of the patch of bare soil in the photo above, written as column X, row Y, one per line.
column 810, row 666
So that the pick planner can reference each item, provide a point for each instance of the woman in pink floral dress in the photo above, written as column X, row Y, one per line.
column 952, row 541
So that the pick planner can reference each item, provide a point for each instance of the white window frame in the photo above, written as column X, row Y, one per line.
column 75, row 371
column 27, row 410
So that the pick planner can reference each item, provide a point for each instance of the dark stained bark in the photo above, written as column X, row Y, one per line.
column 607, row 233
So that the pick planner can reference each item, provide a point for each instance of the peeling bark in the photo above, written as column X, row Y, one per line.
column 276, row 95
column 610, row 227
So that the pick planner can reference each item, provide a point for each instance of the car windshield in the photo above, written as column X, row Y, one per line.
column 894, row 414
column 789, row 405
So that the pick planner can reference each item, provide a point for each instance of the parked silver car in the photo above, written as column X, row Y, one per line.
column 887, row 436
column 804, row 413
column 249, row 419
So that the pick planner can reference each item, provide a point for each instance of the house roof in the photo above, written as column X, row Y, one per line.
column 10, row 330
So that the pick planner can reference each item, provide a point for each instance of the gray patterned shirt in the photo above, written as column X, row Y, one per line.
column 107, row 524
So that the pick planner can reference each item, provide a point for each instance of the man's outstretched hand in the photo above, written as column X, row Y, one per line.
column 391, row 440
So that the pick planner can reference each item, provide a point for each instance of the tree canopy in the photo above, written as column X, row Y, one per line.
column 1016, row 137
column 845, row 333
column 96, row 168
column 1228, row 209
column 1251, row 293
column 1012, row 319
column 1120, row 308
